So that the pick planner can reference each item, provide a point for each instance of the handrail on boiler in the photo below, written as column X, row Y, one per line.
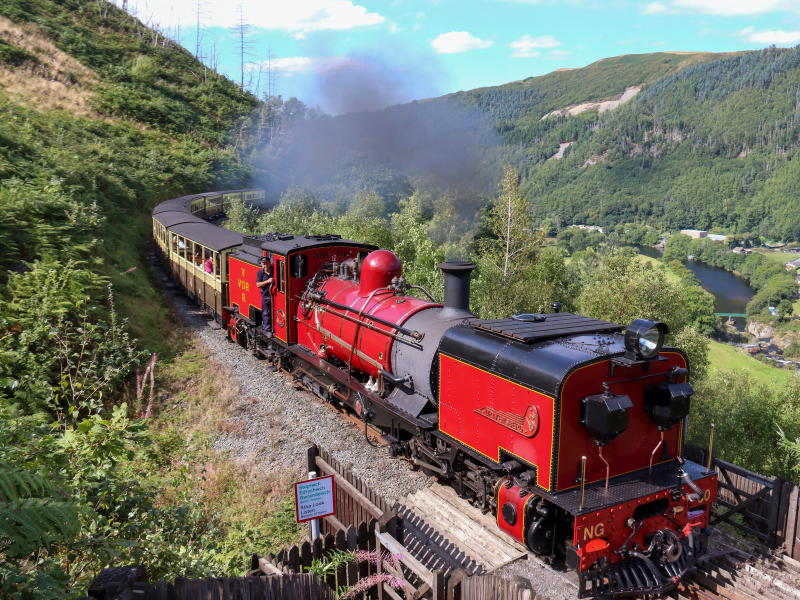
column 317, row 297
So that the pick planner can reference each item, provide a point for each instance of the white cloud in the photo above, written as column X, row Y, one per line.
column 458, row 41
column 296, row 16
column 767, row 37
column 653, row 8
column 393, row 28
column 416, row 27
column 722, row 7
column 294, row 65
column 703, row 32
column 420, row 15
column 558, row 54
column 525, row 46
column 299, row 35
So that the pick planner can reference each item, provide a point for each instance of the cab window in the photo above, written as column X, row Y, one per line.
column 298, row 265
column 279, row 273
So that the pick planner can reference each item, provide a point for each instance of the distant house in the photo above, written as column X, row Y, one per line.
column 589, row 227
column 694, row 233
column 716, row 237
column 793, row 265
column 740, row 250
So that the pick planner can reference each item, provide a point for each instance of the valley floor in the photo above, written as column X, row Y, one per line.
column 722, row 356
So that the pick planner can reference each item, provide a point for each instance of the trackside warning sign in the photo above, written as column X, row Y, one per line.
column 314, row 498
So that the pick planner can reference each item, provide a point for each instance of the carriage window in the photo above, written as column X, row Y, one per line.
column 298, row 265
column 181, row 247
column 280, row 276
column 208, row 261
column 198, row 256
column 217, row 268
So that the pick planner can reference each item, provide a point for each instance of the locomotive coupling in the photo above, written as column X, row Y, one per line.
column 681, row 478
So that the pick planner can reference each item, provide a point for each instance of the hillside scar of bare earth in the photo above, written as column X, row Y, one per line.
column 55, row 82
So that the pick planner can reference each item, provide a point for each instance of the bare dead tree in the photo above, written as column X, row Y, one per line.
column 271, row 71
column 241, row 33
column 200, row 12
column 102, row 7
column 214, row 58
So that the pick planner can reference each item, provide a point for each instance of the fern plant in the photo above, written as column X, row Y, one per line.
column 35, row 513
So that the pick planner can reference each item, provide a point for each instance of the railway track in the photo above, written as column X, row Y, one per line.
column 733, row 574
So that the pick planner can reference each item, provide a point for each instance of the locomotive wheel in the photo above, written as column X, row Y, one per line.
column 539, row 538
column 241, row 337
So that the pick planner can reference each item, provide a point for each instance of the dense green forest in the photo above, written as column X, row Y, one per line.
column 709, row 145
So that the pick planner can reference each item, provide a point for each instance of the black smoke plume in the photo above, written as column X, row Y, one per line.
column 386, row 133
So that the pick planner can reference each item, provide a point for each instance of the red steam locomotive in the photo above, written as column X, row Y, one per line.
column 567, row 428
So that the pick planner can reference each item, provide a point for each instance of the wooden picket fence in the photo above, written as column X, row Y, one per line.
column 365, row 521
column 288, row 587
column 419, row 582
column 356, row 503
column 766, row 508
column 490, row 587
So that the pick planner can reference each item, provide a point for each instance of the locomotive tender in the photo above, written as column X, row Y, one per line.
column 567, row 428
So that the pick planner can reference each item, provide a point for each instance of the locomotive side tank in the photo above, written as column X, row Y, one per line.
column 372, row 325
column 358, row 317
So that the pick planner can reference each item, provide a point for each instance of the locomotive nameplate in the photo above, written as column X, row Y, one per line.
column 527, row 424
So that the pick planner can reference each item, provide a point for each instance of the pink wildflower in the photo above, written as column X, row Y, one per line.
column 368, row 583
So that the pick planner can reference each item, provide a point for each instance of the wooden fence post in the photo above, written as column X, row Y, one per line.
column 775, row 500
column 439, row 589
column 792, row 547
column 379, row 568
column 455, row 583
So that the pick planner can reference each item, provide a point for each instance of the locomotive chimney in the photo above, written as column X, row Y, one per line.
column 456, row 288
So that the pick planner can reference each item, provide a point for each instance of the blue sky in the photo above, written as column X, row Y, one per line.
column 378, row 52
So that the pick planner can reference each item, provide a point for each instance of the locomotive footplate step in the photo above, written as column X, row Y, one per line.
column 623, row 488
column 214, row 325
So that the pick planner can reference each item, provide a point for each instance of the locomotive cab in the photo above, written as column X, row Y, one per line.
column 295, row 260
column 587, row 423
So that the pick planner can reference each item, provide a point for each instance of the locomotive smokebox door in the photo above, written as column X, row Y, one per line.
column 667, row 404
column 605, row 416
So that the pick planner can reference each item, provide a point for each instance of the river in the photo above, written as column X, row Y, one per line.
column 731, row 292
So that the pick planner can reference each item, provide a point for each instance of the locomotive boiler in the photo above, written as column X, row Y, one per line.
column 568, row 429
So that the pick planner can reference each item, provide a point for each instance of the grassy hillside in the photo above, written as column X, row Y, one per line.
column 517, row 107
column 103, row 116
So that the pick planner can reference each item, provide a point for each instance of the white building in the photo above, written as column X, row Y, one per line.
column 694, row 233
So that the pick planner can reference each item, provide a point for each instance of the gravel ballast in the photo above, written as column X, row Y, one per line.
column 279, row 420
